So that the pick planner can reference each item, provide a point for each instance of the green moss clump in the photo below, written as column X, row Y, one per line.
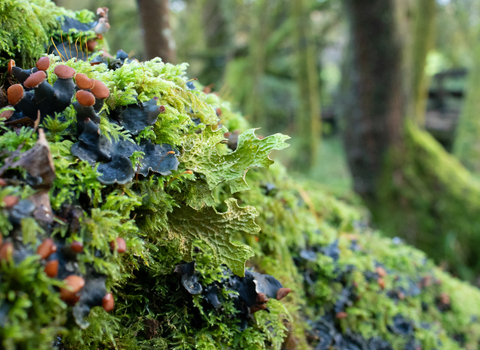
column 26, row 28
column 443, row 219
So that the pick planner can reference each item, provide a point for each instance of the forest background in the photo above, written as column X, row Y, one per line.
column 382, row 113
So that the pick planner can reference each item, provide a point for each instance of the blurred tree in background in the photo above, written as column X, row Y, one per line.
column 291, row 68
column 156, row 32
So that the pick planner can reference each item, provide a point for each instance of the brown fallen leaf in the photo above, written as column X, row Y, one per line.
column 38, row 161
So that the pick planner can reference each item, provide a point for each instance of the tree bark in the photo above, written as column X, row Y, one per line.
column 257, row 62
column 217, row 40
column 412, row 186
column 308, row 116
column 423, row 40
column 157, row 35
column 467, row 140
column 375, row 104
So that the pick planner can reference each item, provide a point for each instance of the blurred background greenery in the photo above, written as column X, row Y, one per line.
column 290, row 66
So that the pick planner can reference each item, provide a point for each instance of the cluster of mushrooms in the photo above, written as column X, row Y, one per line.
column 59, row 258
column 37, row 98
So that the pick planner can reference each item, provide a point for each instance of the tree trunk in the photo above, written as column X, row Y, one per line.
column 423, row 40
column 157, row 34
column 375, row 105
column 217, row 41
column 308, row 115
column 258, row 37
column 413, row 188
column 467, row 140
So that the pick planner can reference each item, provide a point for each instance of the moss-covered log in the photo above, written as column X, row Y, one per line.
column 128, row 216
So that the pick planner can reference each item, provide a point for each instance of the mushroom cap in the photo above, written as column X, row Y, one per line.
column 51, row 268
column 282, row 293
column 43, row 63
column 84, row 82
column 107, row 302
column 102, row 11
column 119, row 245
column 77, row 246
column 15, row 94
column 47, row 248
column 6, row 251
column 85, row 98
column 100, row 90
column 11, row 64
column 91, row 44
column 10, row 201
column 64, row 72
column 74, row 284
column 35, row 79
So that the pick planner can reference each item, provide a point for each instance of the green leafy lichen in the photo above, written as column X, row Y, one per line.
column 217, row 230
column 202, row 157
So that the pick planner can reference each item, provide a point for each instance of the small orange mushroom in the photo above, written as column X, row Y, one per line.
column 119, row 245
column 11, row 64
column 43, row 63
column 85, row 98
column 381, row 282
column 84, row 82
column 64, row 72
column 261, row 298
column 51, row 268
column 282, row 293
column 69, row 293
column 107, row 302
column 91, row 45
column 35, row 79
column 10, row 201
column 341, row 314
column 76, row 246
column 381, row 271
column 47, row 248
column 15, row 94
column 100, row 90
column 444, row 298
column 6, row 251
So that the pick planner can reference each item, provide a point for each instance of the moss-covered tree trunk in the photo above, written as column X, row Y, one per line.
column 257, row 61
column 412, row 186
column 217, row 40
column 467, row 141
column 157, row 35
column 375, row 102
column 423, row 40
column 308, row 115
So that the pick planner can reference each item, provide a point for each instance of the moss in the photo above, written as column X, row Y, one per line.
column 300, row 228
column 440, row 219
column 26, row 28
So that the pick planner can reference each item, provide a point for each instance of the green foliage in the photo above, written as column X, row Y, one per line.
column 26, row 28
column 202, row 157
column 31, row 311
column 216, row 230
column 427, row 216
